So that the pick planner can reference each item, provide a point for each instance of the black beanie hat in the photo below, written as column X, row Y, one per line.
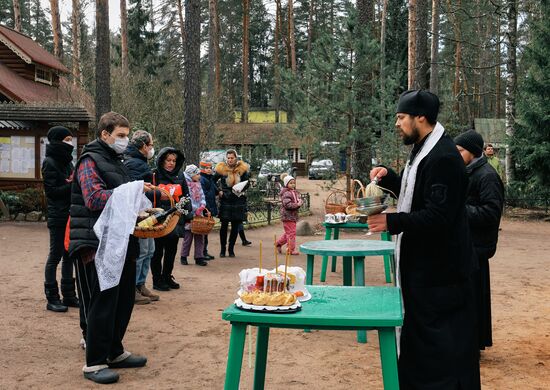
column 58, row 133
column 472, row 141
column 419, row 103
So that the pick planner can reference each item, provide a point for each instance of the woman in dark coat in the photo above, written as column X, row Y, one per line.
column 484, row 206
column 57, row 171
column 168, row 171
column 232, row 207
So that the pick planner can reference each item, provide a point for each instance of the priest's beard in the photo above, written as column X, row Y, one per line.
column 414, row 137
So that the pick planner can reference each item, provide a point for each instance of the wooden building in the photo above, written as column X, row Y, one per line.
column 34, row 96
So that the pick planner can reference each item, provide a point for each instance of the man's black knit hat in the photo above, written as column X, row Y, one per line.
column 419, row 103
column 472, row 141
column 58, row 133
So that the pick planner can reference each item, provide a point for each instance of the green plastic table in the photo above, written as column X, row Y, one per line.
column 332, row 231
column 332, row 308
column 348, row 249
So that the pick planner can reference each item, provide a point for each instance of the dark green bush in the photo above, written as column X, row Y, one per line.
column 30, row 199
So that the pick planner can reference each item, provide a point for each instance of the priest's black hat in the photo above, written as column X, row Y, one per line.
column 419, row 103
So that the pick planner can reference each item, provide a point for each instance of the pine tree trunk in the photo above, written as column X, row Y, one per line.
column 211, row 54
column 276, row 62
column 412, row 43
column 458, row 58
column 310, row 27
column 497, row 72
column 17, row 15
column 383, row 61
column 421, row 46
column 511, row 82
column 75, row 28
column 192, row 86
column 291, row 37
column 102, row 60
column 56, row 29
column 124, row 36
column 434, row 52
column 363, row 142
column 246, row 48
column 214, row 77
column 182, row 22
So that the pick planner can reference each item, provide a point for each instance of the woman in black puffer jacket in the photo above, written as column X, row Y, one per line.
column 57, row 172
column 168, row 171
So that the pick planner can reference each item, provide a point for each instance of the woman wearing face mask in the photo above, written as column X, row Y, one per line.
column 57, row 171
column 168, row 172
column 139, row 151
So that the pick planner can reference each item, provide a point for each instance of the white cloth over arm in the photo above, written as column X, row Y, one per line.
column 113, row 228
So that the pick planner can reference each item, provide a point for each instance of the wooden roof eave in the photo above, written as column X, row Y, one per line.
column 15, row 49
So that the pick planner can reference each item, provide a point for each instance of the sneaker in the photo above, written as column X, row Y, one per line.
column 183, row 260
column 247, row 243
column 147, row 293
column 200, row 261
column 171, row 282
column 140, row 299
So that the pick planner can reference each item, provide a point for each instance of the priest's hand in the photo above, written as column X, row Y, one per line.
column 378, row 173
column 377, row 223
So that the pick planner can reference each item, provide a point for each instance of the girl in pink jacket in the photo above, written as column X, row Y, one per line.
column 290, row 203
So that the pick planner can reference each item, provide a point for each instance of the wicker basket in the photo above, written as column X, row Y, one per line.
column 336, row 202
column 202, row 225
column 357, row 191
column 163, row 229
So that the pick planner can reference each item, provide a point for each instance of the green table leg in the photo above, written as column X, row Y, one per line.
column 261, row 357
column 336, row 237
column 328, row 232
column 388, row 357
column 309, row 270
column 309, row 274
column 386, row 236
column 347, row 271
column 359, row 275
column 235, row 356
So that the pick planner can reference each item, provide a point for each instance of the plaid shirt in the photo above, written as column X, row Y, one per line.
column 93, row 188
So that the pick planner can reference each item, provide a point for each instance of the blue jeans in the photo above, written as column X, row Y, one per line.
column 143, row 262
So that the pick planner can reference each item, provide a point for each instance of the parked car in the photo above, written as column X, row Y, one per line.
column 321, row 169
column 275, row 168
column 215, row 156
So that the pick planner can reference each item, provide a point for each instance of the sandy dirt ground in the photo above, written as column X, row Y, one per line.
column 186, row 341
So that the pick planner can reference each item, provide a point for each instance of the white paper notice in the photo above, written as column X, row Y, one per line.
column 15, row 140
column 29, row 140
column 5, row 166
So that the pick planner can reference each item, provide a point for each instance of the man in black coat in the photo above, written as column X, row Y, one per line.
column 57, row 172
column 139, row 151
column 434, row 254
column 484, row 208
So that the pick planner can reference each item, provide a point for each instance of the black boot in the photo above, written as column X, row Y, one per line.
column 222, row 251
column 231, row 250
column 171, row 282
column 201, row 261
column 69, row 293
column 160, row 285
column 54, row 301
